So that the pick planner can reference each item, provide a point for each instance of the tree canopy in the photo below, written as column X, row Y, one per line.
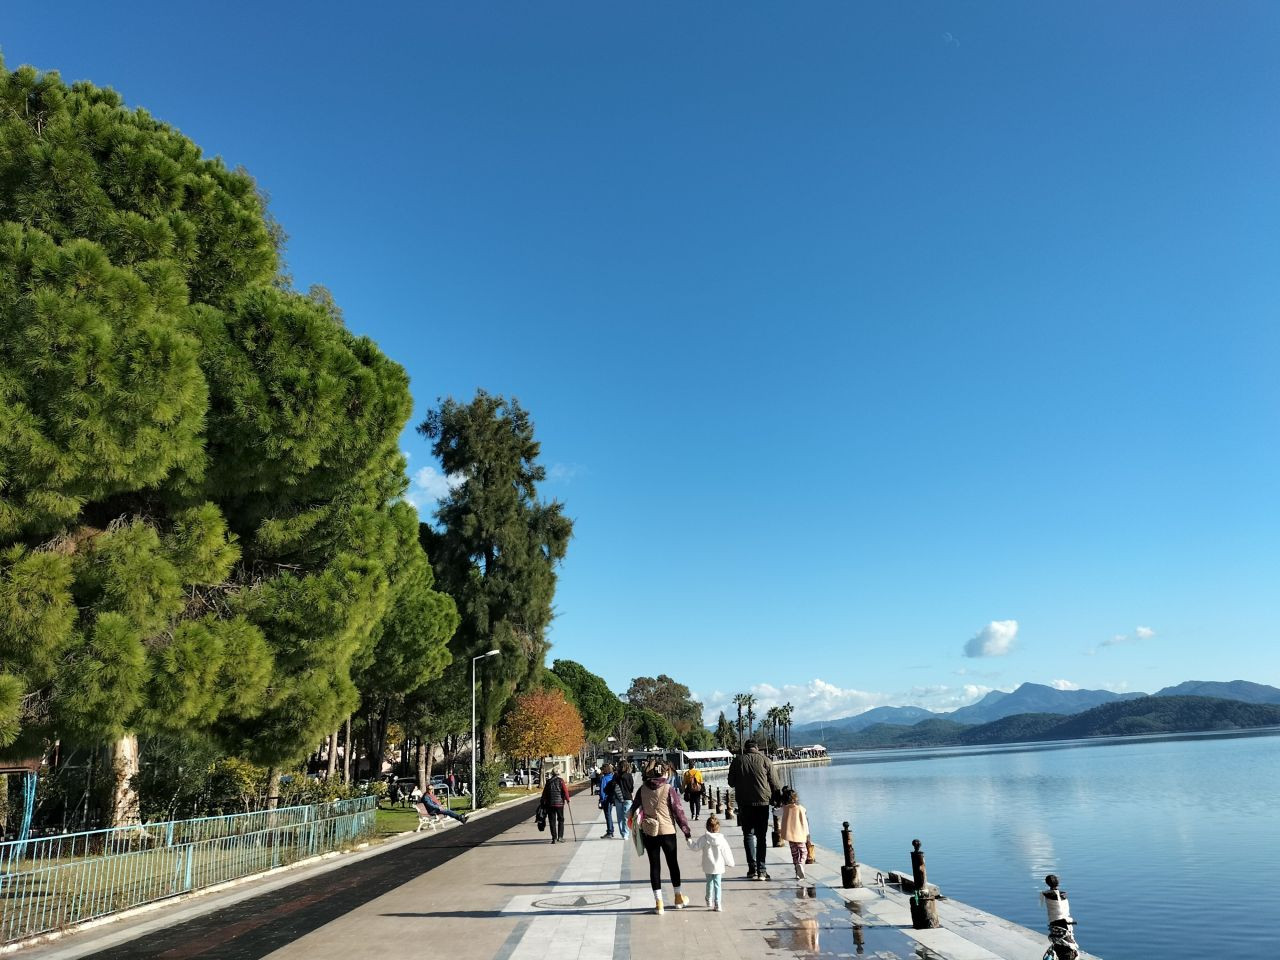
column 669, row 699
column 199, row 467
column 541, row 723
column 600, row 707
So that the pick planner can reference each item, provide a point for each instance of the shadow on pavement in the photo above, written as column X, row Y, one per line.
column 262, row 924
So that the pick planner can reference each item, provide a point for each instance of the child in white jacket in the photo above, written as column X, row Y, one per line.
column 716, row 855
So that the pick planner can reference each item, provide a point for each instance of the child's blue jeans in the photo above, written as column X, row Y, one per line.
column 713, row 888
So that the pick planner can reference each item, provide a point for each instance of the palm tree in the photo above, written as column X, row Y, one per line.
column 786, row 710
column 740, row 700
column 749, row 701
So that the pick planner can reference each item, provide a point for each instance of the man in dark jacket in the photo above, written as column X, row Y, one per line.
column 751, row 777
column 555, row 797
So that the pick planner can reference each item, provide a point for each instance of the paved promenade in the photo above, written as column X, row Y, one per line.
column 496, row 888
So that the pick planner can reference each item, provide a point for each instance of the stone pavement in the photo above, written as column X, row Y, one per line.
column 496, row 889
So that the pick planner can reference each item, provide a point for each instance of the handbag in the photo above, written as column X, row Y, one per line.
column 540, row 817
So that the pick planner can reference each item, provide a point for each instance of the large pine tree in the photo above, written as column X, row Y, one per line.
column 198, row 465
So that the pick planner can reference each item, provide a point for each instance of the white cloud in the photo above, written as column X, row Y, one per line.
column 429, row 486
column 1064, row 685
column 563, row 472
column 1139, row 633
column 820, row 700
column 815, row 700
column 993, row 640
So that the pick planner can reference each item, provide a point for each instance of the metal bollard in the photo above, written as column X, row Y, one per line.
column 777, row 834
column 924, row 905
column 849, row 872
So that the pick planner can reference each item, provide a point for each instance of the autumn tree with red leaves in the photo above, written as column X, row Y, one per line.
column 541, row 723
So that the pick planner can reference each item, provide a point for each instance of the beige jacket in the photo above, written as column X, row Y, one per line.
column 794, row 824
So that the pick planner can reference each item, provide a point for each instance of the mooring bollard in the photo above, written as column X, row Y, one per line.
column 777, row 834
column 728, row 803
column 719, row 808
column 924, row 905
column 810, row 854
column 849, row 872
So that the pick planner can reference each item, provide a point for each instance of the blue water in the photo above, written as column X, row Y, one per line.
column 1168, row 847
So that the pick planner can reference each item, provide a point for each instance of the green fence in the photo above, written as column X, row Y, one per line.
column 50, row 883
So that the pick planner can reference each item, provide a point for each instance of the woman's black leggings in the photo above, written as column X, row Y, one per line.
column 658, row 847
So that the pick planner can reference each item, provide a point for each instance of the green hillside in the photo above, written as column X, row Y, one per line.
column 1146, row 715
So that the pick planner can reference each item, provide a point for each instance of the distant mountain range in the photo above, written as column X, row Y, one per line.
column 1033, row 699
column 1142, row 715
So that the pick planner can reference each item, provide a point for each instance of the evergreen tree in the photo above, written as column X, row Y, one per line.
column 197, row 464
column 669, row 699
column 600, row 707
column 497, row 546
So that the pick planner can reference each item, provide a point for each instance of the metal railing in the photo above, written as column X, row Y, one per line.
column 50, row 883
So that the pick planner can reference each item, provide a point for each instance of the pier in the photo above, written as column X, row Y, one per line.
column 496, row 889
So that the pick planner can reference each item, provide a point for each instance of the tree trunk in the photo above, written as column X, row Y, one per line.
column 125, row 765
column 346, row 754
column 424, row 764
column 273, row 787
column 333, row 756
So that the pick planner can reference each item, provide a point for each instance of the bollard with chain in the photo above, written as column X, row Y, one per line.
column 849, row 872
column 777, row 834
column 924, row 903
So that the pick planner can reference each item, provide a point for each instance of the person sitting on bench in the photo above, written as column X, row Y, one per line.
column 435, row 806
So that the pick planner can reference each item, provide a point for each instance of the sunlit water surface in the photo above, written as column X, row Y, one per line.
column 1168, row 847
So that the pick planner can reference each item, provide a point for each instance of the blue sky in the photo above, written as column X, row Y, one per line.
column 857, row 335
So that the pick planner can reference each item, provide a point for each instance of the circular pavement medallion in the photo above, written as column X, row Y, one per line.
column 580, row 901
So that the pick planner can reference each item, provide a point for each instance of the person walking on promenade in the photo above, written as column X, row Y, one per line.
column 716, row 855
column 662, row 814
column 555, row 797
column 1061, row 940
column 794, row 829
column 751, row 776
column 606, row 779
column 693, row 791
column 621, row 789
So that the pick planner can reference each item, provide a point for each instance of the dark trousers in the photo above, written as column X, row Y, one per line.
column 657, row 848
column 695, row 804
column 555, row 822
column 755, row 825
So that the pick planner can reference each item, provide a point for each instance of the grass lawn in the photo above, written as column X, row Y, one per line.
column 397, row 819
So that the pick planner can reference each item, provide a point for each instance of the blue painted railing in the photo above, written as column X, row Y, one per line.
column 51, row 883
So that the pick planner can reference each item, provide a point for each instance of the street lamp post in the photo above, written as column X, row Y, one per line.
column 491, row 653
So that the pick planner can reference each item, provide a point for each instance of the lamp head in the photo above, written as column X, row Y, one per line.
column 493, row 653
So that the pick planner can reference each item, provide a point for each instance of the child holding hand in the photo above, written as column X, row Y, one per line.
column 794, row 829
column 716, row 855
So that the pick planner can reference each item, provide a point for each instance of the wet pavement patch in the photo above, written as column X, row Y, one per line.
column 818, row 922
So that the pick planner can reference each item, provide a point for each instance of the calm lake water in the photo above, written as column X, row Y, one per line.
column 1168, row 847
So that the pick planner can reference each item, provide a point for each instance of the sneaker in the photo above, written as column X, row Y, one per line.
column 758, row 876
column 719, row 907
column 607, row 836
column 681, row 901
column 751, row 875
column 799, row 874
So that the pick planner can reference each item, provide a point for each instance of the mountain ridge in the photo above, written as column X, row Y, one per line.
column 1030, row 698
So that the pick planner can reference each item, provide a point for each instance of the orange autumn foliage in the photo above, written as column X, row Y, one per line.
column 541, row 724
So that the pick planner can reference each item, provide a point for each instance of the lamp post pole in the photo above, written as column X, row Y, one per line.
column 491, row 653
